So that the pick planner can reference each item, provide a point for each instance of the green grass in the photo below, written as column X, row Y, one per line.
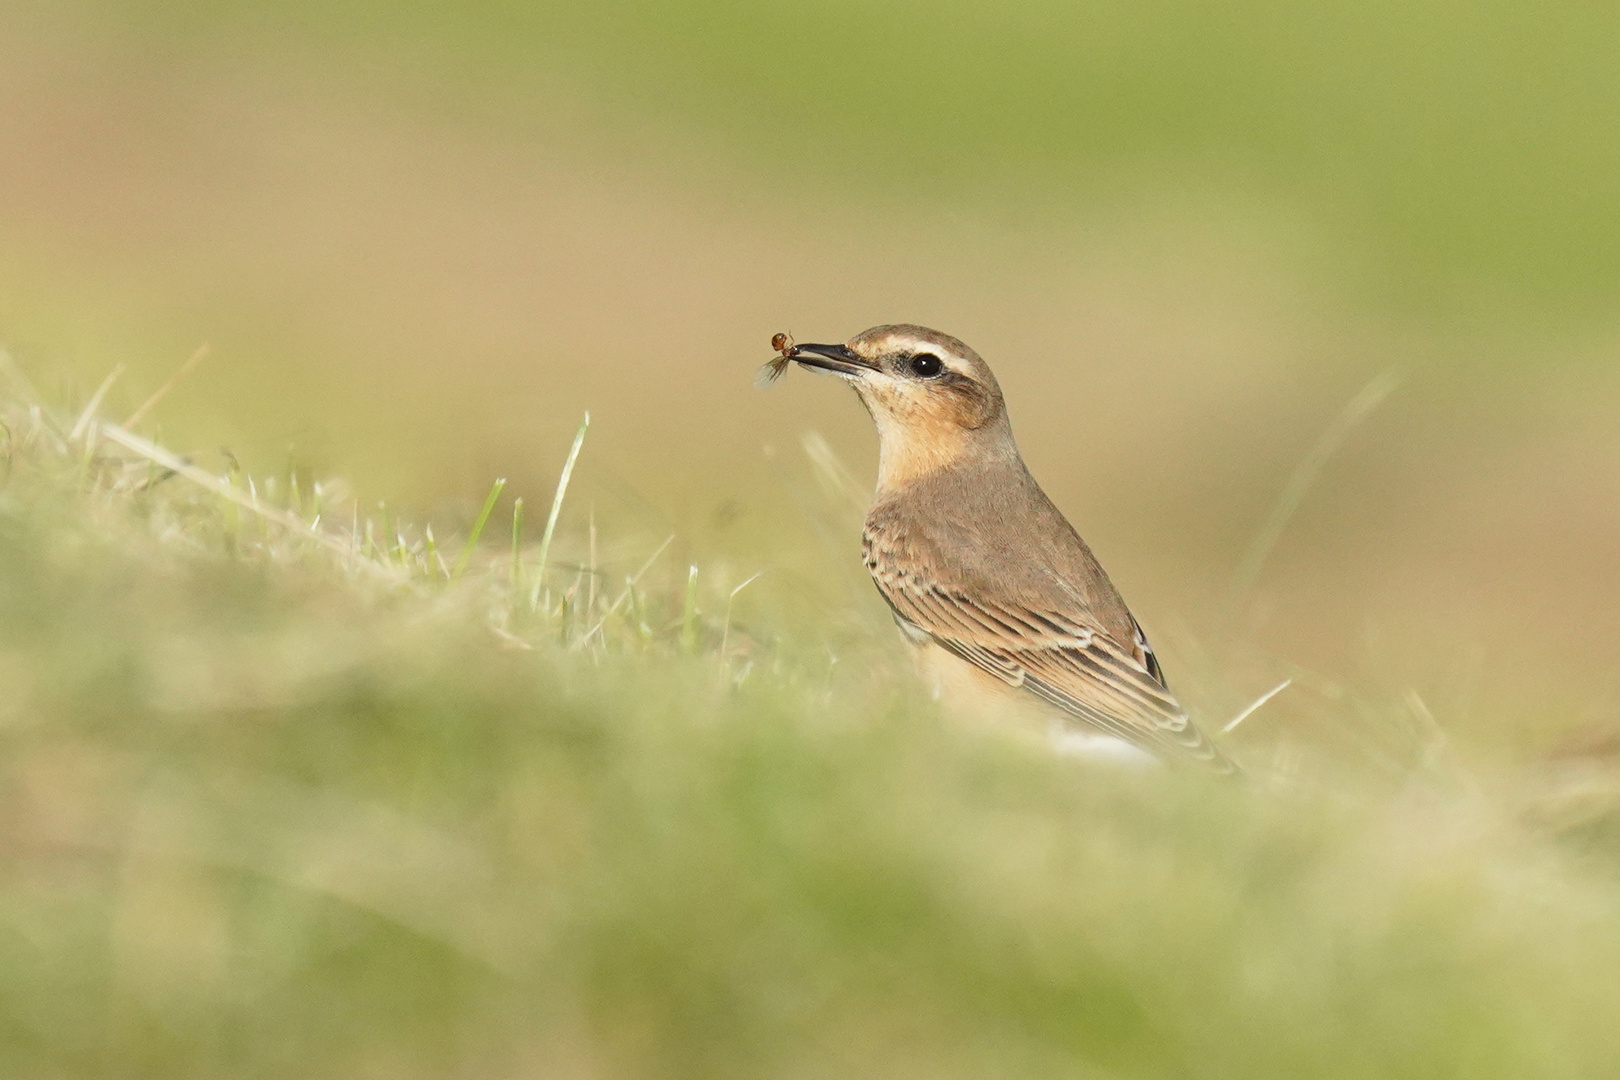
column 288, row 798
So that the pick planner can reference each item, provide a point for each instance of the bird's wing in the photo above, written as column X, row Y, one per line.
column 1077, row 667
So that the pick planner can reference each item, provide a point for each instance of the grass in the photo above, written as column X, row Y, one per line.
column 286, row 796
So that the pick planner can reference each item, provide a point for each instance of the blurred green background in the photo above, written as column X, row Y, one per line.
column 420, row 239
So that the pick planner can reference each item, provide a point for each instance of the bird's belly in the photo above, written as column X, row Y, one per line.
column 966, row 689
column 969, row 693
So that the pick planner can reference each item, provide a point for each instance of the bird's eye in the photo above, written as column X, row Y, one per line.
column 926, row 365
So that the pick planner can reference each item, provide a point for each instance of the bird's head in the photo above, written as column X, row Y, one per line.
column 934, row 399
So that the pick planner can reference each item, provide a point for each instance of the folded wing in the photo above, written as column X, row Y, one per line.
column 1113, row 687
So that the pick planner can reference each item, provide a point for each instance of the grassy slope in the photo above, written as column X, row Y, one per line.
column 275, row 811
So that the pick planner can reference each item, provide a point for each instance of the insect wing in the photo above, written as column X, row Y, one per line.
column 771, row 372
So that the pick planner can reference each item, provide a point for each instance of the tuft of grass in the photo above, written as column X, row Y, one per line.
column 284, row 799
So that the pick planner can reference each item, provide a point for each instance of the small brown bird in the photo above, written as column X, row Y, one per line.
column 982, row 572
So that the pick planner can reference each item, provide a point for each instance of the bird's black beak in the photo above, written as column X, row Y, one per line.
column 837, row 359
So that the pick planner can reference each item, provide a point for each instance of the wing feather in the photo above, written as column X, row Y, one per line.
column 1112, row 686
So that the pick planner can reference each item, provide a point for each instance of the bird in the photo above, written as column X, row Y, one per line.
column 1007, row 606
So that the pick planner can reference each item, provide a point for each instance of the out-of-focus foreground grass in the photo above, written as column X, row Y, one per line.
column 291, row 791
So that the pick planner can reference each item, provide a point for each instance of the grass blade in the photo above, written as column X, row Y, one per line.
column 1259, row 701
column 556, row 510
column 689, row 624
column 1304, row 475
column 163, row 391
column 517, row 543
column 478, row 527
column 725, row 634
column 433, row 555
column 590, row 598
column 88, row 414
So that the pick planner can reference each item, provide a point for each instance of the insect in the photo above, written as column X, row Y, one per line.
column 782, row 343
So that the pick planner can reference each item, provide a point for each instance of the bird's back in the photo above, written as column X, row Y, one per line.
column 989, row 528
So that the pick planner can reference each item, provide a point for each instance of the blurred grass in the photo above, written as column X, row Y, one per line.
column 279, row 808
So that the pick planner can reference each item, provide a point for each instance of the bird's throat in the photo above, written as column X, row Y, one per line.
column 906, row 455
column 919, row 437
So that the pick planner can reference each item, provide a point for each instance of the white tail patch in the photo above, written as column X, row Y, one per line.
column 1097, row 747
